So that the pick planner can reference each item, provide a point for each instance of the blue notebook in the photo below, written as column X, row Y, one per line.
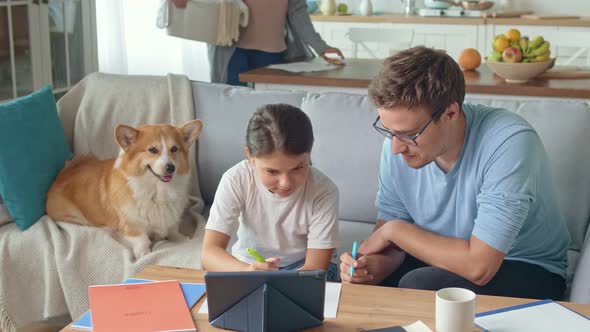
column 192, row 293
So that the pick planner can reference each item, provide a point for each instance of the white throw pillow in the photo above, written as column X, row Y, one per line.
column 5, row 216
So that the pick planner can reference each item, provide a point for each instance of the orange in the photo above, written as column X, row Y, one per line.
column 501, row 43
column 513, row 35
column 469, row 59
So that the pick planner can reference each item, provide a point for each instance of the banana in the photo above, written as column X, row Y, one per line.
column 525, row 60
column 541, row 49
column 537, row 42
column 524, row 43
column 543, row 57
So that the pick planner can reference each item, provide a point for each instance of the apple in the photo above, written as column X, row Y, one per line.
column 512, row 54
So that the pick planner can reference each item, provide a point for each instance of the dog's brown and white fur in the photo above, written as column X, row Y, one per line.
column 141, row 194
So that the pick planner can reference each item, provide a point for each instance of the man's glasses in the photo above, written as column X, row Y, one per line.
column 405, row 139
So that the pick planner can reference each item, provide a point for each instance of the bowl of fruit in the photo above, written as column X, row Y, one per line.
column 518, row 59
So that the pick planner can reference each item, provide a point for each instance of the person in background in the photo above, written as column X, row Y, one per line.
column 278, row 31
column 466, row 195
column 280, row 205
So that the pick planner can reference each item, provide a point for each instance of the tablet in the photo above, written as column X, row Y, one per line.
column 266, row 300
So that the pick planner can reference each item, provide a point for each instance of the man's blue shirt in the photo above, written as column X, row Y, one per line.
column 500, row 190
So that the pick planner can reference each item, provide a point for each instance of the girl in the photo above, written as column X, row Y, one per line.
column 281, row 206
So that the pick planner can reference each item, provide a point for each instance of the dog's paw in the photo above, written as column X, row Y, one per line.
column 141, row 251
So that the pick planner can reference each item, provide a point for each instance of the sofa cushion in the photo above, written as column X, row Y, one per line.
column 225, row 111
column 580, row 290
column 350, row 231
column 347, row 149
column 5, row 216
column 36, row 151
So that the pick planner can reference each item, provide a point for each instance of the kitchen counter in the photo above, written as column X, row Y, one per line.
column 415, row 19
column 358, row 73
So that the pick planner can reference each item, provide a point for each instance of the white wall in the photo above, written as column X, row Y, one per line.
column 572, row 7
column 130, row 43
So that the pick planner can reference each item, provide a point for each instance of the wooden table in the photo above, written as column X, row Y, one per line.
column 358, row 73
column 361, row 307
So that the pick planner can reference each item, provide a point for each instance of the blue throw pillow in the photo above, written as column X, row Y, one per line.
column 33, row 150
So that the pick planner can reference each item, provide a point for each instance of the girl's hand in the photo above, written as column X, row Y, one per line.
column 270, row 264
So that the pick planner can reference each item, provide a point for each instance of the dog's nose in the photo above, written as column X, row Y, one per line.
column 170, row 168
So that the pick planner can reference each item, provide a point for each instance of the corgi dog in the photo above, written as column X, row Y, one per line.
column 140, row 195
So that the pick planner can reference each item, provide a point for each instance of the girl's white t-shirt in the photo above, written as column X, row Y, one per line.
column 275, row 226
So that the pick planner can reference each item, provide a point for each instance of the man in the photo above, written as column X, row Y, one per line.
column 466, row 196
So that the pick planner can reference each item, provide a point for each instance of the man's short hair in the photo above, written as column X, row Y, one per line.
column 418, row 77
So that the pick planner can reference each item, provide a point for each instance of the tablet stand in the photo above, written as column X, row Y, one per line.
column 265, row 309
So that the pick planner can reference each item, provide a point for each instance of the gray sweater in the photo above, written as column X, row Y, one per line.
column 300, row 33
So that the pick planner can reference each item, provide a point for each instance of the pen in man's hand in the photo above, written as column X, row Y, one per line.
column 354, row 250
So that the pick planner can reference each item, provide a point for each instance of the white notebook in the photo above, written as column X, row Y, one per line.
column 539, row 316
column 316, row 64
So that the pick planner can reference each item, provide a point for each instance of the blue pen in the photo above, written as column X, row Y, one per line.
column 354, row 250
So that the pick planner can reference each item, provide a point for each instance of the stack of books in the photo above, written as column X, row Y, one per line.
column 141, row 305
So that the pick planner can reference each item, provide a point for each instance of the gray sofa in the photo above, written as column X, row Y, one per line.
column 347, row 149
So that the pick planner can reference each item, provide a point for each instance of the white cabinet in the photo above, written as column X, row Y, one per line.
column 452, row 38
column 45, row 42
column 570, row 45
column 336, row 35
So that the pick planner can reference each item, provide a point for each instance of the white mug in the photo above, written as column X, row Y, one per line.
column 455, row 310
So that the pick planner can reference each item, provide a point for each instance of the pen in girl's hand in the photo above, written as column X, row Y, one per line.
column 255, row 254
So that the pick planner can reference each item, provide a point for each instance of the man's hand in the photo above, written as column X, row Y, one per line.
column 270, row 264
column 377, row 241
column 179, row 3
column 368, row 269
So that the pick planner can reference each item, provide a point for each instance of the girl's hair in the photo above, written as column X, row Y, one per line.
column 279, row 127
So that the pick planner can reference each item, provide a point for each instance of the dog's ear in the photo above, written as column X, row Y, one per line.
column 191, row 131
column 126, row 136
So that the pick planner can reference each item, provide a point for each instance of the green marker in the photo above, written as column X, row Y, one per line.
column 254, row 254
